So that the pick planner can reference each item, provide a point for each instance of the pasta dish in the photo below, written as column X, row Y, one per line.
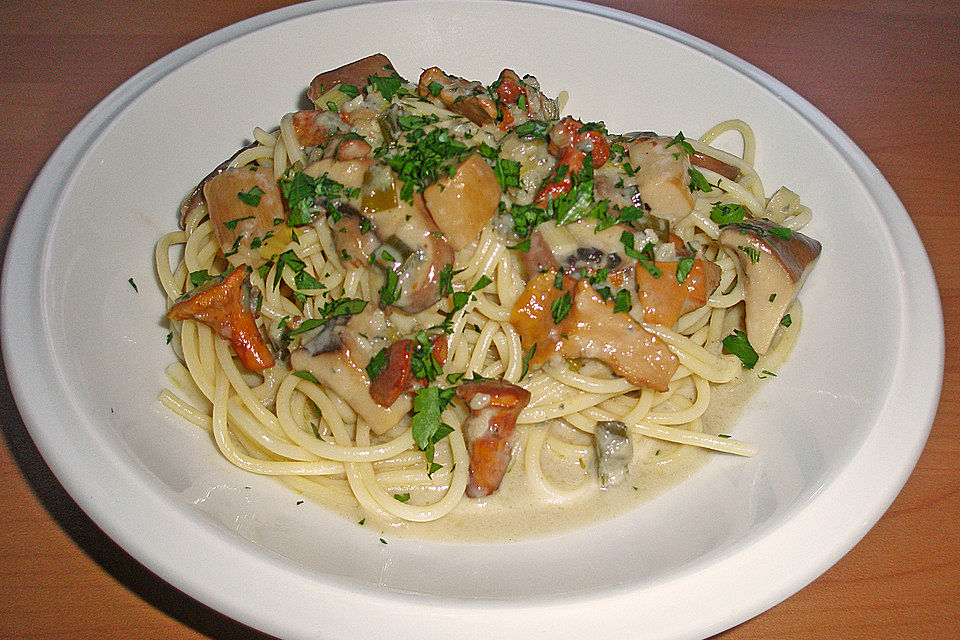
column 413, row 293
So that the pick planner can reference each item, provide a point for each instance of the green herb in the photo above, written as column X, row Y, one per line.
column 169, row 337
column 454, row 378
column 390, row 291
column 683, row 269
column 561, row 307
column 304, row 280
column 232, row 224
column 435, row 88
column 342, row 307
column 422, row 363
column 621, row 301
column 289, row 260
column 527, row 357
column 576, row 203
column 306, row 375
column 766, row 374
column 264, row 269
column 724, row 214
column 252, row 197
column 383, row 541
column 682, row 143
column 428, row 404
column 781, row 232
column 389, row 86
column 197, row 278
column 430, row 157
column 737, row 344
column 772, row 297
column 377, row 363
column 299, row 502
column 533, row 129
column 645, row 260
column 752, row 252
column 362, row 520
column 697, row 181
column 786, row 321
column 300, row 193
column 349, row 90
column 134, row 285
column 401, row 497
column 507, row 173
column 722, row 435
column 446, row 279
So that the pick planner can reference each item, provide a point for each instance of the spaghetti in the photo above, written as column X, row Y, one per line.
column 326, row 235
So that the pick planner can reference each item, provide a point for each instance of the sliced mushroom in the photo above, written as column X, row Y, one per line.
column 337, row 357
column 577, row 246
column 355, row 73
column 775, row 262
column 465, row 97
column 237, row 222
column 224, row 305
column 590, row 329
column 662, row 177
column 698, row 159
column 614, row 452
column 494, row 406
column 463, row 204
column 397, row 374
column 196, row 196
column 417, row 251
column 665, row 298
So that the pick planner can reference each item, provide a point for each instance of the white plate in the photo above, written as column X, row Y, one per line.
column 839, row 430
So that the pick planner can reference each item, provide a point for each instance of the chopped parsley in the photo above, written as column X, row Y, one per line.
column 252, row 197
column 309, row 377
column 560, row 308
column 786, row 321
column 134, row 285
column 683, row 269
column 724, row 214
column 644, row 257
column 737, row 344
column 232, row 224
column 197, row 278
column 682, row 143
column 697, row 181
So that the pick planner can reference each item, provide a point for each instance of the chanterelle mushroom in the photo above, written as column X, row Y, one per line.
column 775, row 262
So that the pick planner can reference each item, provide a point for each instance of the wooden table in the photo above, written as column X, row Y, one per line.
column 886, row 72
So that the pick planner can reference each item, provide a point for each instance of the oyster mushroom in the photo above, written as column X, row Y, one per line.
column 775, row 262
column 355, row 73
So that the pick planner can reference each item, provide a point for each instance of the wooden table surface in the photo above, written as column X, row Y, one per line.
column 888, row 73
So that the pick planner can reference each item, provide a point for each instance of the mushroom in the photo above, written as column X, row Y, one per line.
column 244, row 204
column 356, row 73
column 573, row 321
column 775, row 262
column 662, row 177
column 494, row 407
column 410, row 244
column 664, row 298
column 463, row 204
column 337, row 356
column 614, row 452
column 397, row 374
column 465, row 97
column 195, row 197
column 224, row 305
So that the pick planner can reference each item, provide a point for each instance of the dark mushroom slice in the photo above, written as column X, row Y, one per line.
column 775, row 262
column 355, row 73
column 494, row 407
column 195, row 197
column 614, row 452
column 337, row 357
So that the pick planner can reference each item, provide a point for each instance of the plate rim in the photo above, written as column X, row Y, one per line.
column 47, row 188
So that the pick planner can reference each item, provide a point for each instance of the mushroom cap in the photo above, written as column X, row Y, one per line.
column 775, row 262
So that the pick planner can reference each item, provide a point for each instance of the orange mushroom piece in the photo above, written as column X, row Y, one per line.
column 665, row 298
column 397, row 374
column 494, row 407
column 222, row 306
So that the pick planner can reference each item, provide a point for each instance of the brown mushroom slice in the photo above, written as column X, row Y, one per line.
column 591, row 329
column 462, row 204
column 775, row 262
column 243, row 204
column 494, row 407
column 662, row 176
column 465, row 97
column 698, row 159
column 355, row 73
column 195, row 197
column 337, row 356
